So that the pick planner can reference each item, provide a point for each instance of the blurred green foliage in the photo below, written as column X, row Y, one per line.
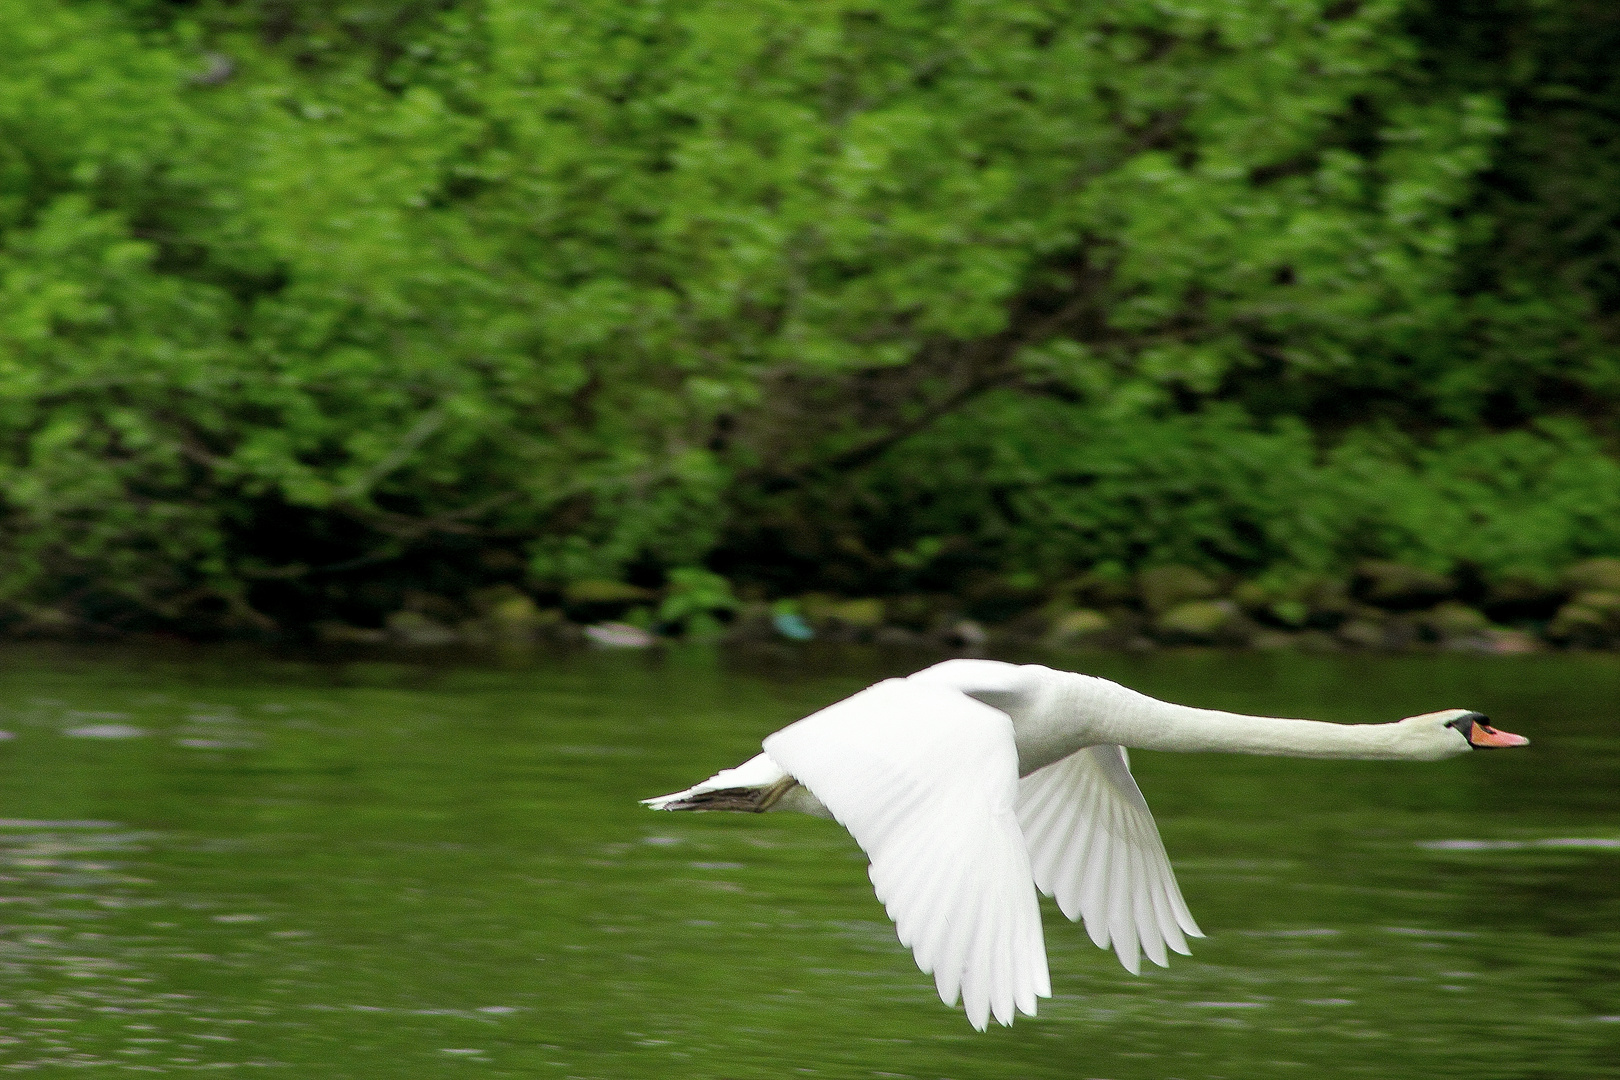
column 304, row 306
column 1049, row 488
column 695, row 596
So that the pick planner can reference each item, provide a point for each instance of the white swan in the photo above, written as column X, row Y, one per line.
column 974, row 782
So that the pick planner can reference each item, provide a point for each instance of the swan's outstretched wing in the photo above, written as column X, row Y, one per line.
column 1093, row 845
column 925, row 779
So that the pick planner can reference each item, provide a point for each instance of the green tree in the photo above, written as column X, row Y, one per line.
column 309, row 305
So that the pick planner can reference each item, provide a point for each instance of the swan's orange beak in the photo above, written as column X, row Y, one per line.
column 1481, row 735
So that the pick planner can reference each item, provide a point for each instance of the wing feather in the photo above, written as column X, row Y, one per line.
column 926, row 780
column 1093, row 845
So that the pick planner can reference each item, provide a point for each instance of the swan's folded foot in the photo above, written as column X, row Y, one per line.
column 754, row 800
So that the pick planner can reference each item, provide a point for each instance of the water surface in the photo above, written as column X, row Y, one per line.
column 221, row 862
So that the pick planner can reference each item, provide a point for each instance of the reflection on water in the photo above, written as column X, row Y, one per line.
column 1504, row 845
column 227, row 864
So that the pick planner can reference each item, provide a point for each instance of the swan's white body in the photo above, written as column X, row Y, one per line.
column 973, row 783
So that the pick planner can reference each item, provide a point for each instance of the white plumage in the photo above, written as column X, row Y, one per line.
column 1093, row 846
column 926, row 780
column 973, row 783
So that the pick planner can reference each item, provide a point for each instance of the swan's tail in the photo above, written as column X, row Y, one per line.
column 752, row 787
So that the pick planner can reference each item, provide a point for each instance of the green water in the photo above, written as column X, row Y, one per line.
column 381, row 870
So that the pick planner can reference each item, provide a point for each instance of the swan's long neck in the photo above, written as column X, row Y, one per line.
column 1077, row 710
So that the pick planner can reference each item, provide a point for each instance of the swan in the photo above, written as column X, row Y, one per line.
column 973, row 783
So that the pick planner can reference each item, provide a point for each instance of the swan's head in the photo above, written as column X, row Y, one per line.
column 1455, row 731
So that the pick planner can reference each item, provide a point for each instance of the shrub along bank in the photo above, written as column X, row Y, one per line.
column 385, row 314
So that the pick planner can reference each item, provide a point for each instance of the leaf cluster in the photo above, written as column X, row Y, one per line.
column 308, row 307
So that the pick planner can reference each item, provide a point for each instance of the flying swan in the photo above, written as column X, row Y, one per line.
column 974, row 782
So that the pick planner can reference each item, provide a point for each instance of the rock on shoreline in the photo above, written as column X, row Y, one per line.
column 1381, row 605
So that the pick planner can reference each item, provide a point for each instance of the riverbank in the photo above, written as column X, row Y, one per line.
column 1381, row 606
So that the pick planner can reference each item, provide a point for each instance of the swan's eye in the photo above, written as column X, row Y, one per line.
column 1465, row 723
